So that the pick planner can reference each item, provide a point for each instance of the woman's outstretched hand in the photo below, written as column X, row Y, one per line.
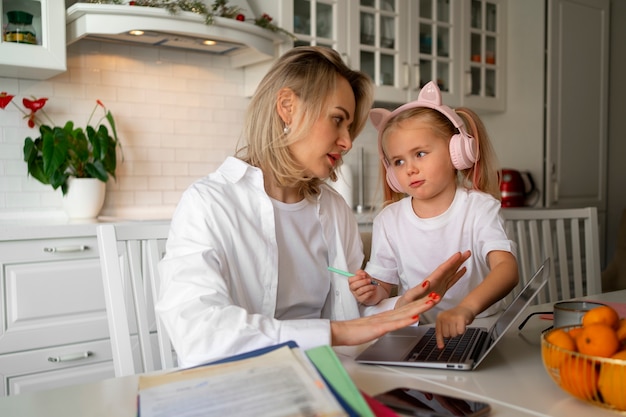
column 442, row 278
column 365, row 329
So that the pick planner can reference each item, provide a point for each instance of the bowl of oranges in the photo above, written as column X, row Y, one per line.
column 589, row 360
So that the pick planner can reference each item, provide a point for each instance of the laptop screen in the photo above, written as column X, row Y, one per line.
column 509, row 315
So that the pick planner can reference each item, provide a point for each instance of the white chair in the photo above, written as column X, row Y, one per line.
column 129, row 254
column 569, row 237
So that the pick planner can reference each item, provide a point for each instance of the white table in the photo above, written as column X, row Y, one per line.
column 512, row 379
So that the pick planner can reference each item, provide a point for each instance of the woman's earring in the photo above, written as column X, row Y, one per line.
column 286, row 129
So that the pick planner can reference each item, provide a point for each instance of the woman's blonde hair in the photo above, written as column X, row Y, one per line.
column 483, row 175
column 311, row 73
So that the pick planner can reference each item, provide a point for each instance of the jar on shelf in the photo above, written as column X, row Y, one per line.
column 20, row 28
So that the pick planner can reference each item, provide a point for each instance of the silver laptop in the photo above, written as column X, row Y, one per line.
column 416, row 346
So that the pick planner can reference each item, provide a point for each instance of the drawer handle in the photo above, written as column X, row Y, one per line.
column 77, row 248
column 70, row 357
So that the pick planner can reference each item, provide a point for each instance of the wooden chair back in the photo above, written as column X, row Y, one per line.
column 569, row 237
column 129, row 255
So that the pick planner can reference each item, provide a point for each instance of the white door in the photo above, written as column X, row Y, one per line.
column 577, row 103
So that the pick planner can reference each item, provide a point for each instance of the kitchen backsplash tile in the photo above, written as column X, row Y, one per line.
column 178, row 115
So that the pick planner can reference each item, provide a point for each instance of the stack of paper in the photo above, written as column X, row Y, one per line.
column 276, row 381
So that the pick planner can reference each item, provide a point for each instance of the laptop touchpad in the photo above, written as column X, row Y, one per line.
column 394, row 346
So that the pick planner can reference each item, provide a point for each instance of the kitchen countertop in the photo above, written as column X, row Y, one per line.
column 55, row 224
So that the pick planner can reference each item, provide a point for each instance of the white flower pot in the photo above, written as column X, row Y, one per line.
column 84, row 198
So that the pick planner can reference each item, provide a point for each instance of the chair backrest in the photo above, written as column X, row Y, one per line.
column 129, row 255
column 569, row 237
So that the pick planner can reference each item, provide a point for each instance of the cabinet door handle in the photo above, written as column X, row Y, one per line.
column 418, row 77
column 77, row 248
column 345, row 58
column 406, row 75
column 468, row 83
column 70, row 357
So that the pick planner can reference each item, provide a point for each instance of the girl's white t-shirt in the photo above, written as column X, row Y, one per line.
column 406, row 248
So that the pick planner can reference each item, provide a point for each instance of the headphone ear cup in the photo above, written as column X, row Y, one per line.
column 392, row 180
column 462, row 152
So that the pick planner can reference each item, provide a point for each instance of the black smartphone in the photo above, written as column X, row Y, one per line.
column 428, row 404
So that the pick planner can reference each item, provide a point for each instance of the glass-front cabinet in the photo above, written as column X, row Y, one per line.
column 403, row 44
column 32, row 45
column 485, row 54
column 320, row 22
column 377, row 45
column 434, row 36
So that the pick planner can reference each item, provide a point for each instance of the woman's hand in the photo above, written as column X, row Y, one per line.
column 444, row 277
column 366, row 329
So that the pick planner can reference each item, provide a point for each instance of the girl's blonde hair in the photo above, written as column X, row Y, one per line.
column 483, row 175
column 311, row 73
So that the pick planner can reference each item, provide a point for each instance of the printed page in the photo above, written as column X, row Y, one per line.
column 278, row 383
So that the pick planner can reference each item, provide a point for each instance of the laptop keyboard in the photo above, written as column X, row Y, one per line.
column 456, row 349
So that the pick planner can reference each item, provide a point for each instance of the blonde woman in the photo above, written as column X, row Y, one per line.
column 249, row 247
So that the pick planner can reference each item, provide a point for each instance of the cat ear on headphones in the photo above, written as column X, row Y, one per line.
column 377, row 116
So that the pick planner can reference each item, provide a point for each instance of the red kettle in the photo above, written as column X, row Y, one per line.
column 515, row 187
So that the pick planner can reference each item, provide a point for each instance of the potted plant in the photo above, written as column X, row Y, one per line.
column 61, row 154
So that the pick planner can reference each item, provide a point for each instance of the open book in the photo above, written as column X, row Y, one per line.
column 278, row 381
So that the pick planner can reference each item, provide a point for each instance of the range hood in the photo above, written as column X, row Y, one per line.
column 242, row 42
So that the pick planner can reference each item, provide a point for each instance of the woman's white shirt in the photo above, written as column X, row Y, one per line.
column 220, row 271
column 301, row 275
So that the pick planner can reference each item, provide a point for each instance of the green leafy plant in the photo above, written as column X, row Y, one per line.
column 63, row 152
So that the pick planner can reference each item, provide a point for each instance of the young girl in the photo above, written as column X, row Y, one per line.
column 448, row 173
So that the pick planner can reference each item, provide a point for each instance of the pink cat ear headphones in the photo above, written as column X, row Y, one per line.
column 463, row 150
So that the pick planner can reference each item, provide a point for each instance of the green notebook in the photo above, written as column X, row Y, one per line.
column 329, row 365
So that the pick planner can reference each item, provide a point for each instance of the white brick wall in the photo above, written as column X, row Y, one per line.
column 178, row 115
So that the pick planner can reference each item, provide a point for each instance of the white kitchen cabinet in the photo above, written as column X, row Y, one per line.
column 483, row 76
column 53, row 321
column 577, row 76
column 319, row 22
column 53, row 316
column 459, row 44
column 378, row 46
column 48, row 57
column 404, row 44
column 42, row 369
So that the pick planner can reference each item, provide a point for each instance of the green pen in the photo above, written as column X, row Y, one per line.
column 340, row 272
column 348, row 274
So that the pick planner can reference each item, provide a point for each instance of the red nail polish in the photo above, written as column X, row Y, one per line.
column 429, row 302
column 424, row 284
column 433, row 295
column 416, row 317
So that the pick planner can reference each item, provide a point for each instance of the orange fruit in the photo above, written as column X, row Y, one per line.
column 579, row 377
column 612, row 382
column 621, row 355
column 621, row 330
column 560, row 338
column 598, row 340
column 603, row 314
column 574, row 332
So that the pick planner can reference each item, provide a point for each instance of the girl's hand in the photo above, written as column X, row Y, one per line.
column 368, row 290
column 366, row 329
column 444, row 277
column 451, row 323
